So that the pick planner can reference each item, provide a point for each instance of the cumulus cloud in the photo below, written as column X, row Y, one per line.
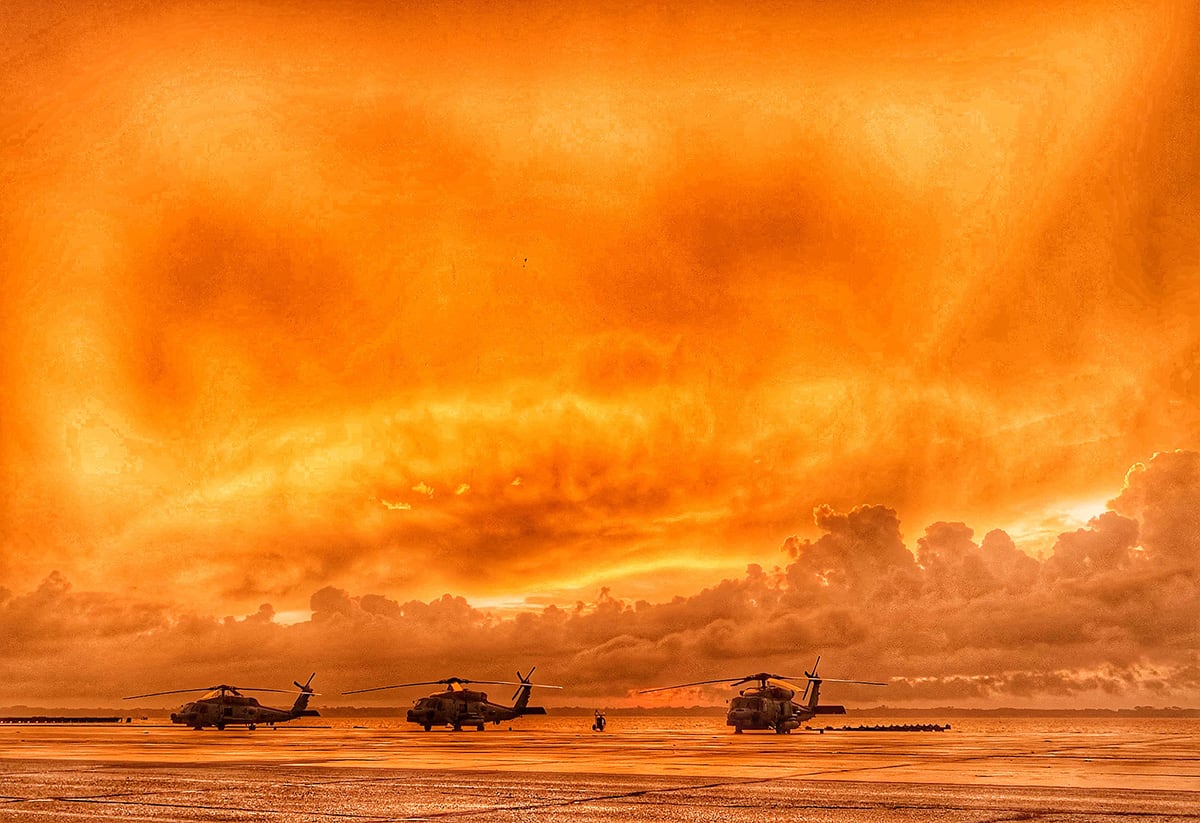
column 1157, row 496
column 1107, row 617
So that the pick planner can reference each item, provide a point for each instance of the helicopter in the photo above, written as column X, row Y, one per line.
column 459, row 706
column 769, row 704
column 225, row 705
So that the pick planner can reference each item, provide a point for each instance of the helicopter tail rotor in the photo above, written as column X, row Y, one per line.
column 525, row 681
column 812, row 678
column 300, row 707
column 524, row 690
column 814, row 684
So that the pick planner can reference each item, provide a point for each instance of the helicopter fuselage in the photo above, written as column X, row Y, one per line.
column 228, row 711
column 459, row 706
column 771, row 709
column 463, row 707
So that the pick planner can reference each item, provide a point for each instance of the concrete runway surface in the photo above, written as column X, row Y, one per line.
column 642, row 769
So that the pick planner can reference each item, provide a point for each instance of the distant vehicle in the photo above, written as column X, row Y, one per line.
column 225, row 705
column 769, row 704
column 459, row 706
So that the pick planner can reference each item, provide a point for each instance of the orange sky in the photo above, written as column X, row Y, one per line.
column 335, row 306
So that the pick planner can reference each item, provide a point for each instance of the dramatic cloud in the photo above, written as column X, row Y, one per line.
column 1104, row 619
column 518, row 302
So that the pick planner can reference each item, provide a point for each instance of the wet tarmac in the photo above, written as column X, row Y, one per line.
column 557, row 769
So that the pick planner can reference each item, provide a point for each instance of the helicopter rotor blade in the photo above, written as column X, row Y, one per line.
column 813, row 677
column 524, row 680
column 453, row 683
column 399, row 686
column 762, row 677
column 496, row 683
column 224, row 687
column 172, row 691
column 697, row 683
column 512, row 683
column 379, row 688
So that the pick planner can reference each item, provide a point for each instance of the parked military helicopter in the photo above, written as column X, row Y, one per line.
column 225, row 705
column 459, row 706
column 769, row 704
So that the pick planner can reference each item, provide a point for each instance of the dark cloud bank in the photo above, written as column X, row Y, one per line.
column 1108, row 617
